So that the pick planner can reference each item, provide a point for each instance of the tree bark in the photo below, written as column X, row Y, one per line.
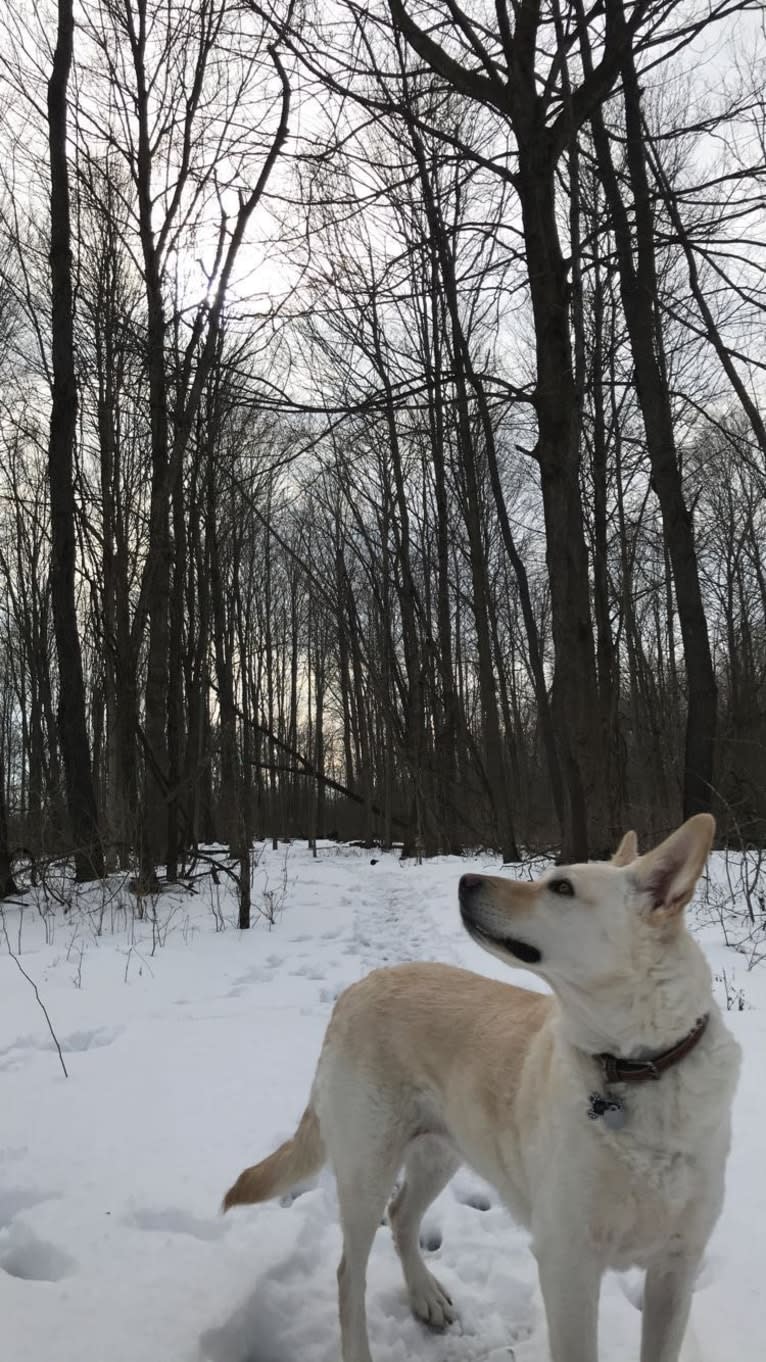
column 81, row 799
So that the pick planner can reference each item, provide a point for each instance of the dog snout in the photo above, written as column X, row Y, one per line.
column 468, row 886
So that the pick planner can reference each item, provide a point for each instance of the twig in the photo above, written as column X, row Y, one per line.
column 35, row 989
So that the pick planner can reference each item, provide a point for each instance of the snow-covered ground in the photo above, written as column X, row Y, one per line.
column 192, row 1059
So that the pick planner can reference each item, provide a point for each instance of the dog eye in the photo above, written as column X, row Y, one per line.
column 563, row 887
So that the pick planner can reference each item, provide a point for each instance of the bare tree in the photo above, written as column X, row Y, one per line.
column 88, row 854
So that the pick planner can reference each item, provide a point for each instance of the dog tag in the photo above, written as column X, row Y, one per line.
column 615, row 1116
column 610, row 1110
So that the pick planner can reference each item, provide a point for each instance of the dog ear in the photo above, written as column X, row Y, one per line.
column 627, row 851
column 669, row 873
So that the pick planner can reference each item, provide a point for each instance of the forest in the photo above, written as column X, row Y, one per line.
column 382, row 429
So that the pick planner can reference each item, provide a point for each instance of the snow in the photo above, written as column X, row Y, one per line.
column 190, row 1051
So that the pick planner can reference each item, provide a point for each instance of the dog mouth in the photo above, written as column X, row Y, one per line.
column 521, row 950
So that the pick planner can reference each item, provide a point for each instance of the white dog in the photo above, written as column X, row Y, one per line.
column 601, row 1113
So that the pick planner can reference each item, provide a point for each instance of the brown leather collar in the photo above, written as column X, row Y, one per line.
column 617, row 1070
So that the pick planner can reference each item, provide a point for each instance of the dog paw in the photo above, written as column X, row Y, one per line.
column 431, row 1303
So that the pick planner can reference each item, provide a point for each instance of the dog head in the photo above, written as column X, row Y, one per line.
column 585, row 924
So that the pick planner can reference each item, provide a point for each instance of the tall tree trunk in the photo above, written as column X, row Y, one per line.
column 7, row 882
column 81, row 799
column 607, row 665
column 638, row 280
column 575, row 695
column 155, row 590
column 177, row 809
column 415, row 739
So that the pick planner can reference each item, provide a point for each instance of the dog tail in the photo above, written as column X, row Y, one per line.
column 296, row 1159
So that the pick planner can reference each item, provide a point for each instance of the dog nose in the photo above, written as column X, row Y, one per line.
column 468, row 884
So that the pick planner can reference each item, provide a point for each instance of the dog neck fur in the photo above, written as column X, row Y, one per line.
column 645, row 1010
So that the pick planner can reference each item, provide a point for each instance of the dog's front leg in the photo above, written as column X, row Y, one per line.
column 570, row 1277
column 667, row 1300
